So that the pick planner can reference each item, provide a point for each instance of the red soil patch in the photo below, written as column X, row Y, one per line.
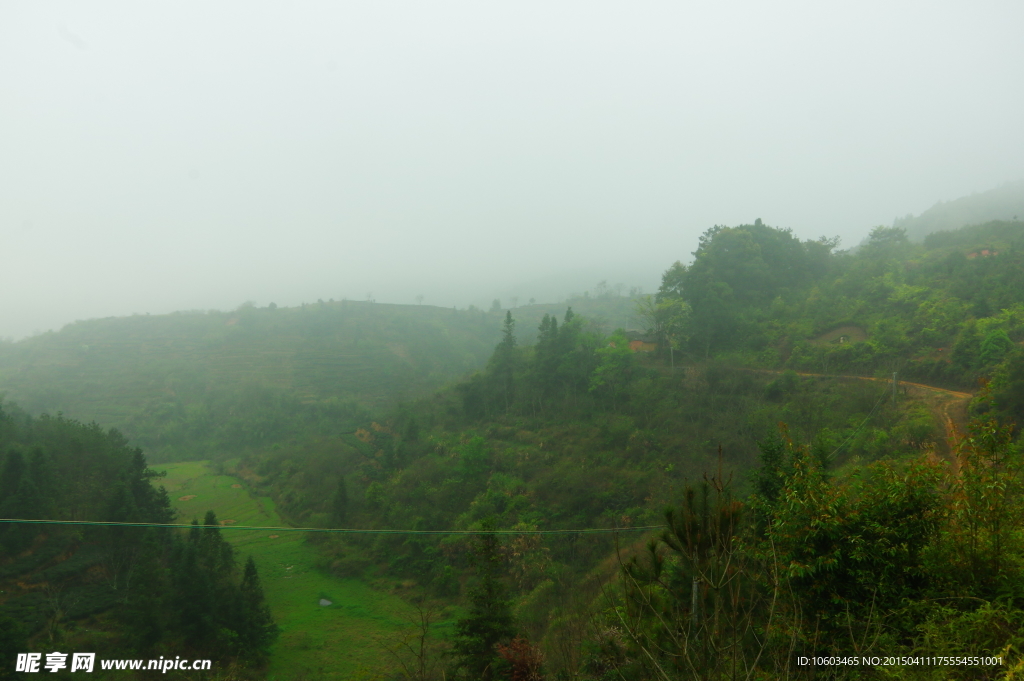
column 228, row 522
column 273, row 536
column 187, row 497
column 236, row 486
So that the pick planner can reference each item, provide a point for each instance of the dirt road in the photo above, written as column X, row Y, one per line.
column 951, row 411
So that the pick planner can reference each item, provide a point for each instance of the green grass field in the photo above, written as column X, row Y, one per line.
column 344, row 640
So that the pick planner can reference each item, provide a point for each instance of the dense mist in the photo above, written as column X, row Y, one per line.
column 197, row 156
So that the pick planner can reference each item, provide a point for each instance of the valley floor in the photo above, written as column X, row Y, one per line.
column 343, row 640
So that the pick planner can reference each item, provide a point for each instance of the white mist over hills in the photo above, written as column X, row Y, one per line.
column 1002, row 203
column 194, row 155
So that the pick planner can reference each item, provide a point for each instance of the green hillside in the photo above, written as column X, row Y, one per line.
column 190, row 385
column 841, row 503
column 947, row 312
column 1002, row 203
column 827, row 439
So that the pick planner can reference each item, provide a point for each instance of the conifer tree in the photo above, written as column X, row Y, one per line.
column 489, row 620
column 41, row 473
column 25, row 503
column 503, row 361
column 143, row 611
column 11, row 535
column 193, row 595
column 121, row 508
column 256, row 628
column 215, row 554
column 339, row 505
column 10, row 477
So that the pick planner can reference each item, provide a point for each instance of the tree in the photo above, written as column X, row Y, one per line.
column 489, row 620
column 13, row 640
column 413, row 649
column 508, row 333
column 339, row 504
column 672, row 281
column 193, row 601
column 503, row 361
column 215, row 554
column 10, row 477
column 736, row 274
column 666, row 318
column 21, row 500
column 546, row 356
column 143, row 610
column 983, row 541
column 256, row 628
column 614, row 369
column 696, row 604
column 886, row 240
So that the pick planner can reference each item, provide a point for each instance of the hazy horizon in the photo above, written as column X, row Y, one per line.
column 195, row 156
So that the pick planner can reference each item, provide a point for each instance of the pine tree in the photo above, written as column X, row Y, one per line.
column 25, row 503
column 503, row 361
column 144, row 608
column 546, row 356
column 339, row 505
column 489, row 621
column 508, row 337
column 12, row 535
column 256, row 628
column 10, row 477
column 41, row 473
column 193, row 601
column 215, row 554
column 121, row 508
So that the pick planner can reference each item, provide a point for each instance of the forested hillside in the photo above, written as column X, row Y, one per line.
column 115, row 591
column 947, row 312
column 199, row 385
column 813, row 512
column 826, row 441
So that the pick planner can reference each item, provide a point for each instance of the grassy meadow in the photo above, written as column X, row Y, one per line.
column 344, row 640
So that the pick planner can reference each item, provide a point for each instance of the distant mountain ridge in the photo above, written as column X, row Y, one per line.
column 194, row 383
column 1002, row 203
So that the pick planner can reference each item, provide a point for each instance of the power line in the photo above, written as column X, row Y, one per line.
column 598, row 530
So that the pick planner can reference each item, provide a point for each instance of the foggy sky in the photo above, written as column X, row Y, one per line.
column 187, row 155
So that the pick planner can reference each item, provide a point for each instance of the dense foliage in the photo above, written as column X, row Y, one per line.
column 575, row 431
column 114, row 590
column 853, row 537
column 948, row 311
column 911, row 558
column 880, row 518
